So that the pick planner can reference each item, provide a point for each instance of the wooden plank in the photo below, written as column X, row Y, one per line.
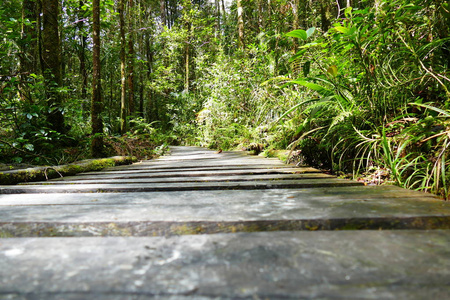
column 219, row 211
column 188, row 186
column 193, row 167
column 269, row 265
column 218, row 179
column 163, row 174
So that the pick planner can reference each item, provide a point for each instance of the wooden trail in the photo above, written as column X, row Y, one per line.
column 197, row 224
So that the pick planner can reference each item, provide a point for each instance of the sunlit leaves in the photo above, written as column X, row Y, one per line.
column 298, row 33
column 302, row 34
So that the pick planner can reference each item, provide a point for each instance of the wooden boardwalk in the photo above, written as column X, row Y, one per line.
column 198, row 224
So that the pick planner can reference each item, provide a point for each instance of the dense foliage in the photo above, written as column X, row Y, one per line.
column 354, row 87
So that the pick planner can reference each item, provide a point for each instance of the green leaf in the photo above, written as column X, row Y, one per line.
column 29, row 147
column 332, row 70
column 298, row 33
column 297, row 55
column 341, row 29
column 348, row 12
column 443, row 112
column 313, row 44
column 295, row 107
column 306, row 68
column 318, row 88
column 310, row 31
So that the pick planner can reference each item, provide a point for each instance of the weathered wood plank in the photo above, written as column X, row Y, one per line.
column 190, row 167
column 143, row 174
column 183, row 186
column 145, row 179
column 219, row 211
column 197, row 191
column 269, row 265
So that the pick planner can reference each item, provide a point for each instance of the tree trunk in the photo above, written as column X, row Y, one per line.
column 130, row 63
column 162, row 7
column 149, row 55
column 269, row 14
column 28, row 57
column 82, row 55
column 186, row 80
column 217, row 25
column 51, row 63
column 97, row 124
column 223, row 10
column 260, row 16
column 187, row 5
column 29, row 44
column 141, row 95
column 295, row 23
column 325, row 15
column 240, row 24
column 123, row 87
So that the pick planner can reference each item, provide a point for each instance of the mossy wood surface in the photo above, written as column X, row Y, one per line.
column 204, row 225
column 51, row 172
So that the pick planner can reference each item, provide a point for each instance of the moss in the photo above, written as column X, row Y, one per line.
column 6, row 234
column 45, row 173
column 280, row 154
column 112, row 229
column 186, row 229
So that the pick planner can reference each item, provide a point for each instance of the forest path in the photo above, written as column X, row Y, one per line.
column 133, row 232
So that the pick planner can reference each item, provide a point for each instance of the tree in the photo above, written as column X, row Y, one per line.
column 295, row 23
column 82, row 50
column 162, row 7
column 123, row 87
column 240, row 12
column 51, row 64
column 131, row 57
column 187, row 26
column 28, row 45
column 96, row 109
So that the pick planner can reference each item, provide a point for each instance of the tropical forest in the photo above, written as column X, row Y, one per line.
column 357, row 88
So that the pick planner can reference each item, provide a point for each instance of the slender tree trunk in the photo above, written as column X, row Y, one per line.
column 149, row 54
column 123, row 87
column 260, row 15
column 39, row 31
column 141, row 95
column 51, row 63
column 223, row 9
column 187, row 5
column 130, row 63
column 97, row 123
column 217, row 25
column 28, row 57
column 140, row 64
column 29, row 44
column 82, row 55
column 325, row 15
column 269, row 14
column 162, row 7
column 186, row 80
column 295, row 23
column 240, row 24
